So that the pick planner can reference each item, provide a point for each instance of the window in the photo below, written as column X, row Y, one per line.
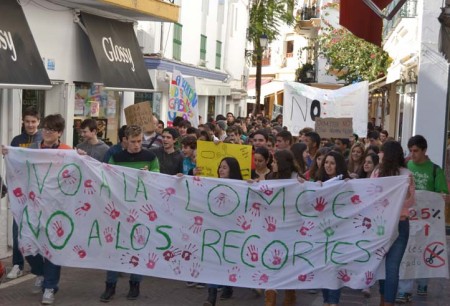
column 218, row 54
column 290, row 48
column 203, row 49
column 177, row 39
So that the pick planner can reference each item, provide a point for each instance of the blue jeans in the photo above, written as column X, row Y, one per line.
column 331, row 296
column 111, row 277
column 17, row 256
column 388, row 287
column 41, row 266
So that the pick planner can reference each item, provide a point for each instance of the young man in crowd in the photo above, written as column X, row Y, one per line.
column 93, row 147
column 119, row 147
column 170, row 159
column 189, row 145
column 234, row 135
column 427, row 176
column 30, row 134
column 283, row 141
column 152, row 138
column 384, row 136
column 342, row 145
column 47, row 273
column 312, row 140
column 137, row 158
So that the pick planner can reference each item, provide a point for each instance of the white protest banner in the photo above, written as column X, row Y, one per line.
column 426, row 252
column 272, row 234
column 302, row 104
column 183, row 100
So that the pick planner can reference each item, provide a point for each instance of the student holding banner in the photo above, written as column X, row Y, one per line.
column 332, row 167
column 228, row 169
column 392, row 163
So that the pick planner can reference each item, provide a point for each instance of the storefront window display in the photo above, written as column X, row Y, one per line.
column 92, row 101
column 153, row 97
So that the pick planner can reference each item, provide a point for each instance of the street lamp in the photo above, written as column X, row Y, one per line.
column 263, row 40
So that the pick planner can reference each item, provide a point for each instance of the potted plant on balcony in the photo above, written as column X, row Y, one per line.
column 305, row 73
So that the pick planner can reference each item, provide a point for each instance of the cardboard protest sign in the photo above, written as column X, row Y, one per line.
column 209, row 156
column 140, row 114
column 183, row 100
column 334, row 127
column 303, row 104
column 281, row 234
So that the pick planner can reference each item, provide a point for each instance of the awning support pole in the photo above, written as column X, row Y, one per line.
column 377, row 10
column 76, row 19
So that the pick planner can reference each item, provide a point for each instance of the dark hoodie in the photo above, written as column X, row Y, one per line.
column 24, row 140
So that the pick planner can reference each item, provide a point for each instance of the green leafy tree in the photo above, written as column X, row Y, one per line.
column 266, row 17
column 350, row 58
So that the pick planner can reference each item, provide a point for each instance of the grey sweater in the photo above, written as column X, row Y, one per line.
column 96, row 151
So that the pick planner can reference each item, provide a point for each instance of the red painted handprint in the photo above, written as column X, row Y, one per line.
column 381, row 253
column 276, row 257
column 132, row 215
column 265, row 189
column 111, row 211
column 80, row 251
column 320, row 204
column 108, row 234
column 88, row 187
column 139, row 236
column 196, row 227
column 255, row 210
column 57, row 227
column 171, row 253
column 167, row 193
column 197, row 181
column 221, row 199
column 47, row 253
column 252, row 252
column 82, row 210
column 243, row 223
column 67, row 177
column 271, row 224
column 150, row 212
column 152, row 260
column 19, row 195
column 195, row 270
column 355, row 199
column 343, row 276
column 34, row 199
column 306, row 227
column 369, row 278
column 260, row 278
column 189, row 251
column 233, row 274
column 306, row 277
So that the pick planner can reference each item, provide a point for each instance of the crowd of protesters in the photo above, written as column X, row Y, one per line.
column 277, row 154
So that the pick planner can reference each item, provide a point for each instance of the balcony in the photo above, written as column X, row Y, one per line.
column 408, row 10
column 307, row 21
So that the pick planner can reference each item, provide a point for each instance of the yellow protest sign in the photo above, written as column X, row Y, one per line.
column 210, row 154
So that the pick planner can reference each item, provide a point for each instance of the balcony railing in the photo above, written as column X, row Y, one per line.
column 408, row 10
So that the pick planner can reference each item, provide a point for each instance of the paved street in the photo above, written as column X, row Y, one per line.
column 84, row 286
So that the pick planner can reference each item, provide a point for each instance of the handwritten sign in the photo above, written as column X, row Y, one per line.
column 210, row 154
column 426, row 252
column 183, row 100
column 334, row 127
column 304, row 104
column 140, row 114
column 281, row 234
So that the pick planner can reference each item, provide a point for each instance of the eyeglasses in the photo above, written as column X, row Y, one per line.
column 47, row 130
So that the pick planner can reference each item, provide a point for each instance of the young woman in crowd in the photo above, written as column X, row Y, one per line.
column 283, row 167
column 332, row 166
column 356, row 159
column 300, row 152
column 228, row 169
column 262, row 160
column 392, row 163
column 370, row 163
column 311, row 174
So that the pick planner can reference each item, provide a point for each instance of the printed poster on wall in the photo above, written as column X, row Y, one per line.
column 183, row 100
column 303, row 104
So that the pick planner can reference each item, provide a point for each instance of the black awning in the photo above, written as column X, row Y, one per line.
column 118, row 54
column 21, row 65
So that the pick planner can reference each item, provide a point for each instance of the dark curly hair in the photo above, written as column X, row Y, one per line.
column 341, row 167
column 393, row 159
